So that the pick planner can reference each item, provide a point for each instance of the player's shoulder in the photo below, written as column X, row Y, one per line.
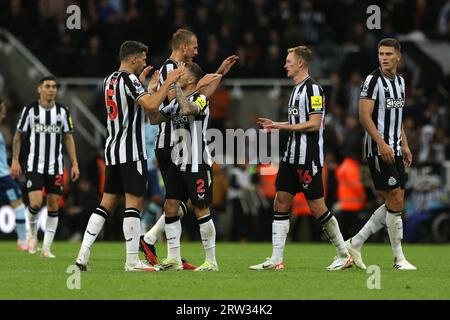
column 169, row 64
column 62, row 107
column 31, row 105
column 374, row 75
column 312, row 84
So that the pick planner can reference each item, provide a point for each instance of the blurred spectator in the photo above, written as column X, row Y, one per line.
column 93, row 61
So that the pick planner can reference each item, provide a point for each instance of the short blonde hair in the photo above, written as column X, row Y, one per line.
column 303, row 52
column 181, row 36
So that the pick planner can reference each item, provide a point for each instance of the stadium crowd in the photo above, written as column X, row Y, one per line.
column 259, row 32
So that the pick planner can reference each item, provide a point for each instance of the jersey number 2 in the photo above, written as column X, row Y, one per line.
column 200, row 185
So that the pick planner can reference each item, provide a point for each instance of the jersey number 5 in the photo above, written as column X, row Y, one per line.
column 111, row 106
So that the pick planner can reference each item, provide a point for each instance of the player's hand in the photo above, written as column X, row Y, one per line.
column 16, row 169
column 154, row 81
column 175, row 75
column 407, row 156
column 227, row 64
column 75, row 172
column 387, row 153
column 145, row 73
column 263, row 122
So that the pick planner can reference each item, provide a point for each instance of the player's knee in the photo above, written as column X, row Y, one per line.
column 171, row 208
column 395, row 200
column 282, row 204
column 36, row 204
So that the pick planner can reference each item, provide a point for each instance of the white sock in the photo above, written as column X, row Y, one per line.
column 50, row 230
column 95, row 225
column 132, row 232
column 280, row 230
column 394, row 225
column 173, row 235
column 331, row 228
column 208, row 236
column 33, row 217
column 156, row 231
column 376, row 222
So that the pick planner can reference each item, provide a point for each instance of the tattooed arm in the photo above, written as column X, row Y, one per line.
column 187, row 108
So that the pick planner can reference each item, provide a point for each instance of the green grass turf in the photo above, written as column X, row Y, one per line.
column 23, row 276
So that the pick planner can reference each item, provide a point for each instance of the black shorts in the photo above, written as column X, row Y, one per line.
column 294, row 178
column 387, row 176
column 196, row 186
column 164, row 158
column 130, row 177
column 53, row 184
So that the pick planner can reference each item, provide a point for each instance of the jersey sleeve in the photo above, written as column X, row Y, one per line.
column 135, row 87
column 24, row 123
column 202, row 103
column 165, row 70
column 67, row 123
column 369, row 88
column 315, row 98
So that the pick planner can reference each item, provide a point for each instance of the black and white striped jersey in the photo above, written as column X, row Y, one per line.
column 126, row 119
column 389, row 96
column 190, row 151
column 165, row 129
column 44, row 129
column 305, row 148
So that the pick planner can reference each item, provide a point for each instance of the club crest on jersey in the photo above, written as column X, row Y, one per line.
column 394, row 103
column 392, row 181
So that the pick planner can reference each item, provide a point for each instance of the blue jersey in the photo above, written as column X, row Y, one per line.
column 4, row 168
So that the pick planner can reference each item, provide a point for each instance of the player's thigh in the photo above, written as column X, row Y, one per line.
column 200, row 187
column 287, row 179
column 134, row 178
column 35, row 182
column 311, row 183
column 385, row 176
column 175, row 185
column 113, row 183
column 164, row 161
column 54, row 184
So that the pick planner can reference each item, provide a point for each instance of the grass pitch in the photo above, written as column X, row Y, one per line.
column 24, row 276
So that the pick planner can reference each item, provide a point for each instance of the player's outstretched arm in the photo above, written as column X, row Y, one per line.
column 71, row 150
column 208, row 84
column 187, row 108
column 16, row 170
column 151, row 102
column 313, row 124
column 365, row 118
